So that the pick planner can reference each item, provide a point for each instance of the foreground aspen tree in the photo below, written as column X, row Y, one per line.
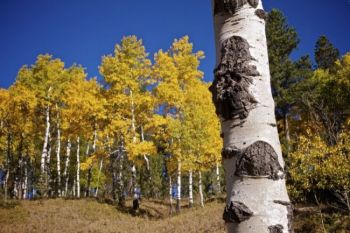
column 257, row 199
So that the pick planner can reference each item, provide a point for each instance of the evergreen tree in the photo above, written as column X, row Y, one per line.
column 325, row 53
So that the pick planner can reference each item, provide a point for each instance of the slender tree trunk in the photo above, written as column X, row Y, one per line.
column 178, row 197
column 286, row 128
column 134, row 188
column 133, row 168
column 190, row 188
column 257, row 199
column 218, row 184
column 121, row 196
column 144, row 156
column 48, row 168
column 171, row 195
column 200, row 187
column 90, row 169
column 25, row 181
column 46, row 141
column 58, row 157
column 78, row 167
column 65, row 173
column 74, row 188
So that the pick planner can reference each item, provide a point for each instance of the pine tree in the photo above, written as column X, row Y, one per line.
column 325, row 53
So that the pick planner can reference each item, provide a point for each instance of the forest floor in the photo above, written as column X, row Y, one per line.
column 88, row 215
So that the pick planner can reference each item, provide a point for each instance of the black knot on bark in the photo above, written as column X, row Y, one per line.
column 254, row 3
column 230, row 152
column 237, row 212
column 259, row 159
column 276, row 229
column 261, row 14
column 233, row 76
column 231, row 6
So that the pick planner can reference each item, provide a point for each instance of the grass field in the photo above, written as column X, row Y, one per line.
column 88, row 215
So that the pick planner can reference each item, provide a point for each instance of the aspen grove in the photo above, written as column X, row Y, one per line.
column 140, row 131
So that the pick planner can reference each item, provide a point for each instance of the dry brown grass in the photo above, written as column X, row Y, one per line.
column 90, row 216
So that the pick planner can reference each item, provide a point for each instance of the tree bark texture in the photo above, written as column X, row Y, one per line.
column 257, row 199
column 200, row 187
column 46, row 141
column 178, row 197
column 190, row 188
column 65, row 173
column 78, row 167
column 58, row 160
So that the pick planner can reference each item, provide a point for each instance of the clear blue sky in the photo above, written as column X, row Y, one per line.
column 81, row 31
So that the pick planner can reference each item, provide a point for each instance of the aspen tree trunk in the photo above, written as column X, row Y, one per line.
column 25, row 182
column 65, row 173
column 73, row 188
column 257, row 199
column 190, row 188
column 90, row 169
column 145, row 156
column 47, row 168
column 171, row 195
column 78, row 167
column 121, row 198
column 58, row 157
column 133, row 168
column 200, row 187
column 218, row 184
column 178, row 197
column 46, row 141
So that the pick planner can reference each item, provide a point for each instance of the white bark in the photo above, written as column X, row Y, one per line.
column 144, row 156
column 190, row 188
column 25, row 182
column 178, row 197
column 78, row 167
column 257, row 193
column 65, row 173
column 74, row 188
column 46, row 141
column 170, row 194
column 133, row 127
column 218, row 185
column 58, row 157
column 200, row 187
column 133, row 181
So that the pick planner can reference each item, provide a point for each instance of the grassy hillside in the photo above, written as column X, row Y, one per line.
column 88, row 215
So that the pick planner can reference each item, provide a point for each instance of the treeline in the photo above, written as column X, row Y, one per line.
column 313, row 113
column 138, row 132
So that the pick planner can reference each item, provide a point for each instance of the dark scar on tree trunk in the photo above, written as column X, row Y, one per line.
column 289, row 213
column 261, row 14
column 231, row 6
column 233, row 76
column 259, row 159
column 276, row 229
column 237, row 212
column 229, row 152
